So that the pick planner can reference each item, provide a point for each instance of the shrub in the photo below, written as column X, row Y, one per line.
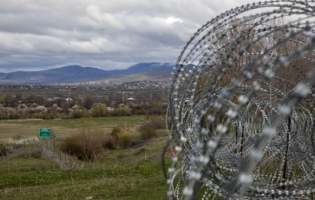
column 2, row 100
column 109, row 143
column 123, row 110
column 124, row 140
column 115, row 132
column 4, row 150
column 12, row 113
column 73, row 146
column 121, row 137
column 3, row 114
column 147, row 131
column 157, row 123
column 88, row 103
column 157, row 108
column 24, row 115
column 99, row 110
column 77, row 114
column 84, row 145
column 50, row 115
column 38, row 115
column 149, row 127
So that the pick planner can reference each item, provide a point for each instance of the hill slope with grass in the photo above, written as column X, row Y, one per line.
column 38, row 170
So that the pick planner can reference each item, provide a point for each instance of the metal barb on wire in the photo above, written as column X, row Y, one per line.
column 241, row 106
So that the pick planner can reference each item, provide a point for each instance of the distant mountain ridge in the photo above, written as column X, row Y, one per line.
column 77, row 73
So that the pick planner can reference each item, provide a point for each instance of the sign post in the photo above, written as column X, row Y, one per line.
column 45, row 133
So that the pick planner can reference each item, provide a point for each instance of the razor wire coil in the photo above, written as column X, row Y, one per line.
column 241, row 106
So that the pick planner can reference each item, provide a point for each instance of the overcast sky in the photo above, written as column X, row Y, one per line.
column 107, row 34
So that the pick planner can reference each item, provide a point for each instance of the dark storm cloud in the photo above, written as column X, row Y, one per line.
column 111, row 34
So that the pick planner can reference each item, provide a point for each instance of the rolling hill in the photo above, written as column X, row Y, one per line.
column 77, row 73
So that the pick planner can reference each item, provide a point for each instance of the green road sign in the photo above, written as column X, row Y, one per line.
column 44, row 133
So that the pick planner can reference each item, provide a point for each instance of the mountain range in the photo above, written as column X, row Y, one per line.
column 77, row 73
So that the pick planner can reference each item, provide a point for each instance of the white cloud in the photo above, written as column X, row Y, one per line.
column 105, row 34
column 172, row 20
column 104, row 19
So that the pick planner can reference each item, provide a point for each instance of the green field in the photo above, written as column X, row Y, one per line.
column 132, row 173
column 61, row 127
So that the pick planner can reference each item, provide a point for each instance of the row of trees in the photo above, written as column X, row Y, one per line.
column 97, row 110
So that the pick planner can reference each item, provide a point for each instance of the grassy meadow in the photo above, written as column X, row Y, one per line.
column 121, row 173
column 61, row 127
